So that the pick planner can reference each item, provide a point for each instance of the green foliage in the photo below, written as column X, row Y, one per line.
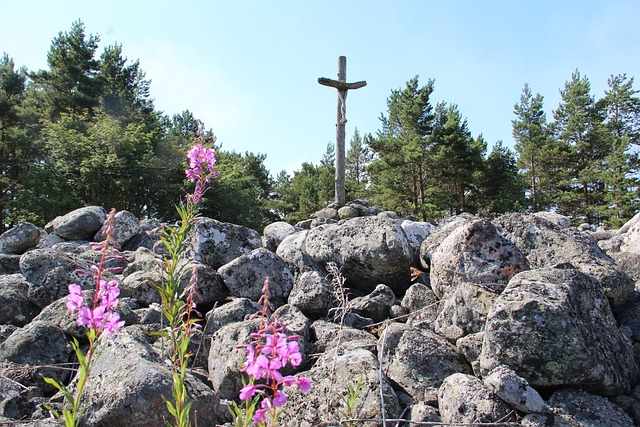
column 357, row 160
column 501, row 187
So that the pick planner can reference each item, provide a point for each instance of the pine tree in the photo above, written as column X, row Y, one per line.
column 622, row 109
column 71, row 84
column 399, row 170
column 579, row 125
column 534, row 147
column 501, row 186
column 357, row 159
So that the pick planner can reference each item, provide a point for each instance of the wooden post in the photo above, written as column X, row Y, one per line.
column 342, row 86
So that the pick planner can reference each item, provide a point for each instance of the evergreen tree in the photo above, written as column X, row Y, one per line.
column 326, row 173
column 501, row 186
column 579, row 125
column 534, row 148
column 16, row 147
column 399, row 170
column 357, row 159
column 71, row 84
column 622, row 109
column 457, row 160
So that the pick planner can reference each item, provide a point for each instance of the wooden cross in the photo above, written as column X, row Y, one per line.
column 342, row 86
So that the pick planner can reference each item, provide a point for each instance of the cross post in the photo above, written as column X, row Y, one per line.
column 342, row 86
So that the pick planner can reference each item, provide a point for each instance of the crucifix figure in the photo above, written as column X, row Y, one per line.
column 342, row 86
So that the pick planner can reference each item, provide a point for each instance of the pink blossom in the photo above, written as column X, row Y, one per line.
column 258, row 416
column 75, row 299
column 279, row 399
column 248, row 391
column 304, row 384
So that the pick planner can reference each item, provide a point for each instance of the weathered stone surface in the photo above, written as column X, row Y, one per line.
column 331, row 375
column 274, row 233
column 348, row 212
column 216, row 243
column 209, row 285
column 49, row 273
column 80, row 224
column 137, row 381
column 464, row 311
column 291, row 249
column 375, row 305
column 126, row 226
column 234, row 311
column 475, row 252
column 38, row 345
column 20, row 238
column 561, row 220
column 369, row 250
column 464, row 399
column 571, row 407
column 422, row 303
column 327, row 213
column 631, row 241
column 546, row 244
column 433, row 240
column 245, row 276
column 140, row 285
column 514, row 390
column 312, row 293
column 226, row 358
column 328, row 335
column 471, row 347
column 418, row 360
column 628, row 263
column 9, row 264
column 554, row 327
column 16, row 308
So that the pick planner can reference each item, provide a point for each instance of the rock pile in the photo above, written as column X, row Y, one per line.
column 521, row 320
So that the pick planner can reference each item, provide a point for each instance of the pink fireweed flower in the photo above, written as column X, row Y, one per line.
column 259, row 416
column 279, row 399
column 248, row 391
column 75, row 299
column 304, row 384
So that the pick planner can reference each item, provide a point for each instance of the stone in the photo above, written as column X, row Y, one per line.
column 348, row 212
column 418, row 360
column 433, row 240
column 471, row 347
column 274, row 233
column 631, row 240
column 464, row 399
column 331, row 375
column 329, row 335
column 18, row 239
column 422, row 305
column 217, row 243
column 80, row 224
column 572, row 407
column 369, row 250
column 546, row 244
column 9, row 264
column 514, row 390
column 138, row 380
column 476, row 253
column 554, row 327
column 326, row 214
column 313, row 294
column 234, row 311
column 375, row 305
column 140, row 285
column 245, row 276
column 126, row 226
column 463, row 311
column 16, row 308
column 39, row 345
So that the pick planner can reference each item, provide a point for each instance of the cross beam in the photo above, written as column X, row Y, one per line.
column 342, row 86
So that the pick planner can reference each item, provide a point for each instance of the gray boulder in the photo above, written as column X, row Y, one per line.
column 329, row 335
column 554, row 327
column 476, row 253
column 370, row 251
column 245, row 276
column 210, row 288
column 471, row 347
column 126, row 226
column 463, row 399
column 418, row 360
column 20, row 238
column 464, row 311
column 141, row 286
column 631, row 240
column 433, row 240
column 49, row 273
column 375, row 305
column 331, row 375
column 16, row 308
column 312, row 293
column 80, row 224
column 41, row 347
column 274, row 233
column 138, row 381
column 234, row 311
column 546, row 244
column 291, row 249
column 572, row 407
column 217, row 243
column 9, row 263
column 422, row 305
column 514, row 390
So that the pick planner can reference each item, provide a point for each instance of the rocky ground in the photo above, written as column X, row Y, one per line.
column 519, row 320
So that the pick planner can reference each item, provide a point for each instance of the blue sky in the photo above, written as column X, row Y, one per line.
column 249, row 69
